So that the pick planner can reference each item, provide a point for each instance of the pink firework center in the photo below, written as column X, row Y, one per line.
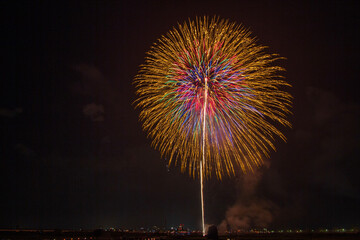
column 226, row 87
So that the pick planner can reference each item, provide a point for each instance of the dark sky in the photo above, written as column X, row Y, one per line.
column 73, row 154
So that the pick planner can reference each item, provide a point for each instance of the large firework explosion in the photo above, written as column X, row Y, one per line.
column 208, row 91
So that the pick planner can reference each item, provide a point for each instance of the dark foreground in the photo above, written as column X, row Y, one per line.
column 108, row 235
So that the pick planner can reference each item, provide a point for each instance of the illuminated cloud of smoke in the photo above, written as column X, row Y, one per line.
column 94, row 111
column 249, row 210
column 10, row 113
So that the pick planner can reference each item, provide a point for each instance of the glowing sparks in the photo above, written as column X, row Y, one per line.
column 208, row 91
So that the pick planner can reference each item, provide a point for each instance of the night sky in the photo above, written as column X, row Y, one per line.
column 73, row 154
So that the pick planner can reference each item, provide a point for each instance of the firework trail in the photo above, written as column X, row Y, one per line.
column 210, row 96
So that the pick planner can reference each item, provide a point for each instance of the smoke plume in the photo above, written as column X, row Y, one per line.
column 249, row 211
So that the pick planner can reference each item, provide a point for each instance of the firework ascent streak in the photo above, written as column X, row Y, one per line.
column 208, row 88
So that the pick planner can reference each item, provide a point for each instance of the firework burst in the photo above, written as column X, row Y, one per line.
column 208, row 91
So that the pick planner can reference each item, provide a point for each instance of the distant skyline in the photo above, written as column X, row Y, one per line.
column 73, row 154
